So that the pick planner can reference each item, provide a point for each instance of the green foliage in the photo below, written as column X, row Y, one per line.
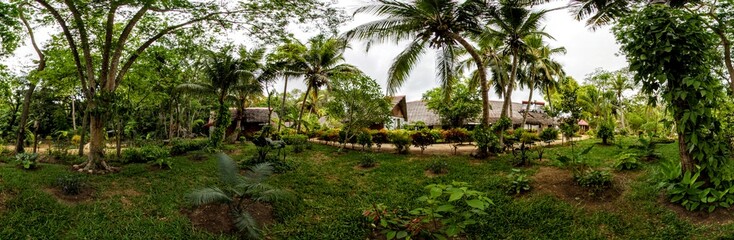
column 379, row 137
column 26, row 160
column 401, row 139
column 464, row 104
column 298, row 141
column 627, row 161
column 180, row 147
column 164, row 163
column 144, row 154
column 595, row 180
column 359, row 101
column 456, row 136
column 364, row 138
column 486, row 140
column 519, row 182
column 423, row 139
column 438, row 167
column 679, row 70
column 70, row 184
column 576, row 160
column 548, row 134
column 445, row 212
column 367, row 160
column 236, row 189
column 63, row 156
column 605, row 132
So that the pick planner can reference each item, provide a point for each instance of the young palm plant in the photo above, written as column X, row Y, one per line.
column 235, row 190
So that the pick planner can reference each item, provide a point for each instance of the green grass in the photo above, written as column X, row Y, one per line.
column 332, row 195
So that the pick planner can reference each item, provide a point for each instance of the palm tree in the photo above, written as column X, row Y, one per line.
column 513, row 22
column 618, row 84
column 283, row 60
column 438, row 24
column 248, row 89
column 541, row 68
column 322, row 60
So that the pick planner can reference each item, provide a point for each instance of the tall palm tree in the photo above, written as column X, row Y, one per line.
column 440, row 24
column 618, row 84
column 283, row 60
column 542, row 70
column 250, row 88
column 513, row 22
column 322, row 60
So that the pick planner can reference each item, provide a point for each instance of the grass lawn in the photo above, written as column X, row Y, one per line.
column 139, row 203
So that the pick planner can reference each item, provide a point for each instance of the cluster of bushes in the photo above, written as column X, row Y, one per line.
column 401, row 138
column 298, row 141
column 180, row 147
column 144, row 154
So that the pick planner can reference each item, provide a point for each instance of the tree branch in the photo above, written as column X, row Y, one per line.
column 41, row 56
column 72, row 44
column 79, row 22
column 109, row 28
column 115, row 63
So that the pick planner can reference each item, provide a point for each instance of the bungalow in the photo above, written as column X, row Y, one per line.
column 254, row 119
column 398, row 114
column 536, row 119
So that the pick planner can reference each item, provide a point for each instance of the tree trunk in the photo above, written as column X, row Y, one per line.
column 118, row 141
column 686, row 162
column 35, row 136
column 482, row 76
column 96, row 144
column 621, row 111
column 19, row 143
column 303, row 105
column 527, row 108
column 82, row 133
column 13, row 116
column 73, row 114
column 727, row 62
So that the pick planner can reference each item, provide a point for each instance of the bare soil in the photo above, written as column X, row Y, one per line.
column 86, row 195
column 717, row 217
column 560, row 183
column 4, row 197
column 217, row 218
column 359, row 167
column 431, row 174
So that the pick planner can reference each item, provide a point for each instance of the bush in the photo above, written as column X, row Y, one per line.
column 70, row 184
column 487, row 141
column 144, row 154
column 76, row 139
column 605, row 133
column 401, row 139
column 423, row 139
column 163, row 163
column 380, row 137
column 438, row 167
column 548, row 135
column 180, row 147
column 456, row 136
column 596, row 180
column 367, row 161
column 27, row 160
column 298, row 141
column 627, row 161
column 63, row 156
column 279, row 165
column 519, row 182
column 364, row 139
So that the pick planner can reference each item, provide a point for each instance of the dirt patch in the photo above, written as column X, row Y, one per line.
column 128, row 192
column 4, row 197
column 319, row 158
column 86, row 195
column 217, row 218
column 360, row 168
column 717, row 217
column 560, row 183
column 431, row 174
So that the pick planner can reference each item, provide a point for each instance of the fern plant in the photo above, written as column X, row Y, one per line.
column 236, row 189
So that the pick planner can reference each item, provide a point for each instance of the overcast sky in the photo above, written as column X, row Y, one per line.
column 587, row 50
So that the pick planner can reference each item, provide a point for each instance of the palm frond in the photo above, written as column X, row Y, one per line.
column 247, row 225
column 260, row 171
column 272, row 195
column 207, row 196
column 228, row 171
column 403, row 65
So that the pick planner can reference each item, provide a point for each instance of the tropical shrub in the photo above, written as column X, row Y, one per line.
column 605, row 133
column 596, row 180
column 438, row 167
column 76, row 139
column 445, row 213
column 422, row 139
column 26, row 160
column 364, row 139
column 163, row 163
column 380, row 137
column 63, row 156
column 487, row 141
column 548, row 135
column 457, row 137
column 180, row 147
column 70, row 184
column 298, row 141
column 627, row 161
column 401, row 139
column 519, row 182
column 367, row 160
column 235, row 190
column 144, row 154
column 526, row 139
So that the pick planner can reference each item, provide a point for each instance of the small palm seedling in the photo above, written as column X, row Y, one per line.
column 519, row 182
column 235, row 190
column 26, row 160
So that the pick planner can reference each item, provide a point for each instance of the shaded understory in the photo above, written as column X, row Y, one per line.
column 144, row 204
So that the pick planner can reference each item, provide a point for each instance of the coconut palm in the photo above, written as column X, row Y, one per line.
column 439, row 24
column 322, row 60
column 541, row 69
column 238, row 191
column 514, row 22
column 283, row 60
column 618, row 84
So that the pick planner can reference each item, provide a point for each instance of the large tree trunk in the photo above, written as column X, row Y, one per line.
column 96, row 144
column 82, row 133
column 527, row 108
column 73, row 114
column 727, row 62
column 19, row 143
column 686, row 162
column 303, row 105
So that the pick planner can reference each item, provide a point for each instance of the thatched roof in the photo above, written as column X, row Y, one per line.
column 417, row 111
column 259, row 115
column 398, row 107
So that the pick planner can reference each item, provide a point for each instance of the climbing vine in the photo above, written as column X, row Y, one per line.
column 672, row 53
